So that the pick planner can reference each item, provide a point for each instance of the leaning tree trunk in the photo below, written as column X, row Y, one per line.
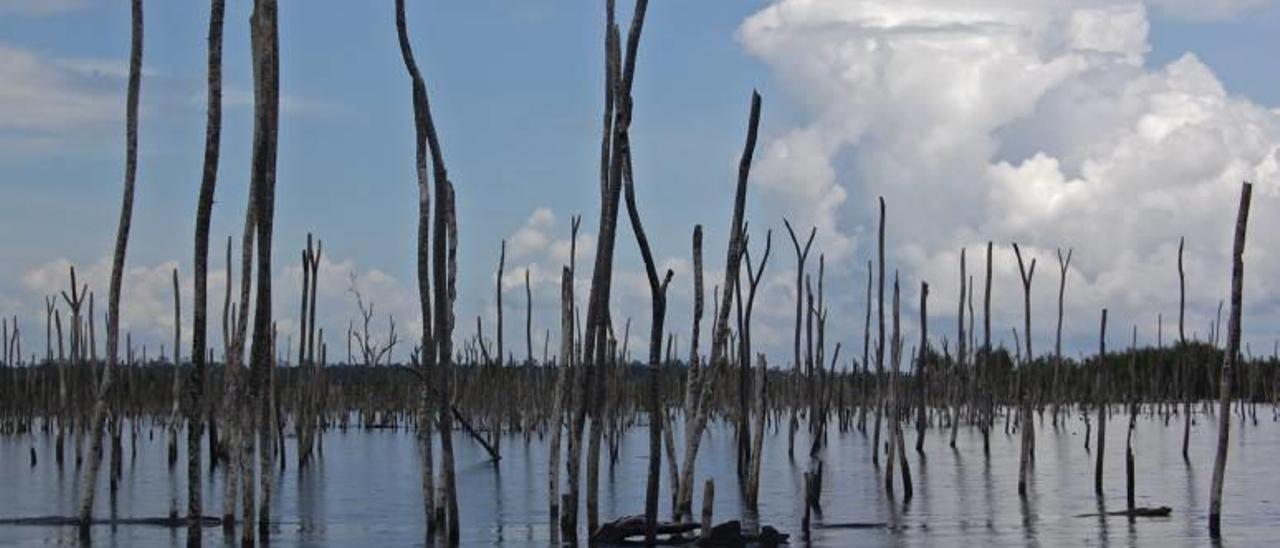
column 99, row 414
column 695, row 424
column 596, row 347
column 199, row 322
column 1229, row 361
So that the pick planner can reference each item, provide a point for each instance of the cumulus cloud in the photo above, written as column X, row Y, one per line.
column 146, row 305
column 1031, row 121
column 43, row 98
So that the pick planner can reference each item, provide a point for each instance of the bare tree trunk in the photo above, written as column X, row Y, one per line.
column 1063, row 266
column 199, row 322
column 596, row 347
column 502, row 263
column 958, row 389
column 875, row 439
column 802, row 254
column 1182, row 353
column 757, row 443
column 922, row 371
column 866, row 354
column 658, row 294
column 88, row 486
column 988, row 403
column 1027, row 422
column 564, row 382
column 1101, row 405
column 697, row 422
column 176, row 392
column 1229, row 361
column 528, row 320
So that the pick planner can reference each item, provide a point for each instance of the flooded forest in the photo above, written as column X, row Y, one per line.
column 566, row 434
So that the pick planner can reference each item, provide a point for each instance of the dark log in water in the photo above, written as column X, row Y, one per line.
column 729, row 533
column 1138, row 512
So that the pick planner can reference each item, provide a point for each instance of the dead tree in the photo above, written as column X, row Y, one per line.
column 1101, row 405
column 866, row 368
column 989, row 399
column 1133, row 424
column 696, row 423
column 958, row 389
column 802, row 254
column 922, row 368
column 1063, row 266
column 875, row 440
column 658, row 296
column 1229, row 361
column 502, row 263
column 421, row 119
column 265, row 46
column 528, row 321
column 754, row 277
column 372, row 350
column 89, row 485
column 570, row 394
column 1182, row 353
column 1026, row 421
column 176, row 394
column 897, row 447
column 619, row 76
column 199, row 322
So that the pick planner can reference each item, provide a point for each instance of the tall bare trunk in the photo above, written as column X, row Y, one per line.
column 695, row 423
column 1229, row 361
column 1101, row 444
column 1026, row 422
column 88, row 486
column 199, row 323
column 875, row 439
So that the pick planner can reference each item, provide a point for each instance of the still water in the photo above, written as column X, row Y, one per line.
column 366, row 490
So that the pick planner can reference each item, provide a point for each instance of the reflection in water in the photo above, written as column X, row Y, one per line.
column 366, row 490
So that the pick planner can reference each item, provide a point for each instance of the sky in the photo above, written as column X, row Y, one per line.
column 1108, row 127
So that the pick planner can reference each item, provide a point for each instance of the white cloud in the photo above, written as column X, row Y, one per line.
column 41, row 98
column 1029, row 121
column 146, row 306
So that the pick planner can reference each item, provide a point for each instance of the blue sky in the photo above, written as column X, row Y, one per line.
column 516, row 91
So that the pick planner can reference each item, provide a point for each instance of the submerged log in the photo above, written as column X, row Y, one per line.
column 1138, row 512
column 729, row 533
column 619, row 530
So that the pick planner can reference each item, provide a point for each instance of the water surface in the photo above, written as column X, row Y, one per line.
column 366, row 489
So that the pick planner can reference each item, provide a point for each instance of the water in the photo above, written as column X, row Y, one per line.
column 366, row 490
